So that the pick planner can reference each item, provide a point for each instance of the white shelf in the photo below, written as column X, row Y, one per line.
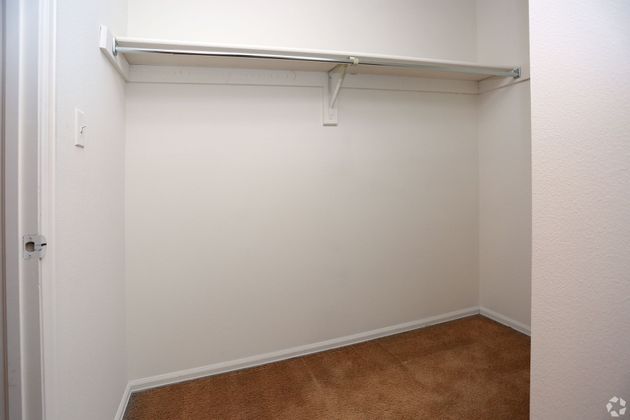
column 124, row 52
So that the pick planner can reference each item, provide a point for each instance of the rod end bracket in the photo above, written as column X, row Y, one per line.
column 107, row 44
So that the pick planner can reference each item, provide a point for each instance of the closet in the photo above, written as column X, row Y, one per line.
column 292, row 177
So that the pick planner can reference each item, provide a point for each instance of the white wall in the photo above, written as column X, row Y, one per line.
column 504, row 164
column 425, row 28
column 90, row 372
column 292, row 215
column 581, row 207
column 252, row 228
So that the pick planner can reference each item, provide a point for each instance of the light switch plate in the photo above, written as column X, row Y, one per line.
column 80, row 128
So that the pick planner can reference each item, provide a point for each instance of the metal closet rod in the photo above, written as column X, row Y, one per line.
column 447, row 67
column 142, row 50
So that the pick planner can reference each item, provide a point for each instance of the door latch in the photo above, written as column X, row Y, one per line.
column 34, row 245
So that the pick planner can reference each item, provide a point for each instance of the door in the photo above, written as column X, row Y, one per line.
column 21, row 142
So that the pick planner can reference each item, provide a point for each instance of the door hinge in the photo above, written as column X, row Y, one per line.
column 34, row 245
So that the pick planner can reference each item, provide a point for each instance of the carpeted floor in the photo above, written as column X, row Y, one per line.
column 472, row 368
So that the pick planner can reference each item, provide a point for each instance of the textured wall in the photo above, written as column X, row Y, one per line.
column 580, row 57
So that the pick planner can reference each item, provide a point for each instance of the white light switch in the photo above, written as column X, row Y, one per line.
column 80, row 128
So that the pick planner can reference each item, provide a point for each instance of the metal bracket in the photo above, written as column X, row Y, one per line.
column 517, row 72
column 335, row 79
column 34, row 245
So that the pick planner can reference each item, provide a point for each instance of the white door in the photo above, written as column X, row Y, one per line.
column 21, row 133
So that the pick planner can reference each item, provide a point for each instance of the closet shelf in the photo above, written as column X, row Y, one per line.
column 124, row 51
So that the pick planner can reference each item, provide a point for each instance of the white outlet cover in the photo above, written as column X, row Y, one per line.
column 80, row 128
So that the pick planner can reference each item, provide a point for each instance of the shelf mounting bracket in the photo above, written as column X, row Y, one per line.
column 334, row 81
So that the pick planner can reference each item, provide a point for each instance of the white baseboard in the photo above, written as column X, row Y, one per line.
column 261, row 359
column 502, row 319
column 123, row 403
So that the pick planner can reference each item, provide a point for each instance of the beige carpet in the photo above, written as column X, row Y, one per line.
column 472, row 368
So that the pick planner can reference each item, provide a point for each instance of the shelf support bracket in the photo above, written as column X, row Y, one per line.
column 107, row 44
column 334, row 82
